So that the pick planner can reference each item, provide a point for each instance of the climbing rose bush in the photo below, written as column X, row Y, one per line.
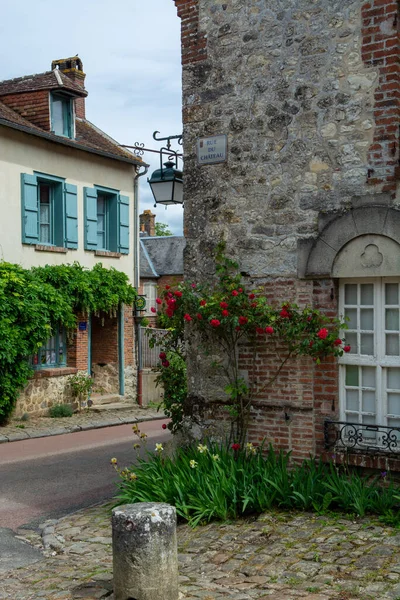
column 228, row 314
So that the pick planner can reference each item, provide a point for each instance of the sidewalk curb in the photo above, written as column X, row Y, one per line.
column 24, row 435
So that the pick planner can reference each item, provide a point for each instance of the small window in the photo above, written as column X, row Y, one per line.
column 61, row 115
column 150, row 291
column 46, row 200
column 52, row 353
column 106, row 220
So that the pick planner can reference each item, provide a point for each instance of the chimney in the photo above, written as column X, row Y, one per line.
column 73, row 68
column 147, row 223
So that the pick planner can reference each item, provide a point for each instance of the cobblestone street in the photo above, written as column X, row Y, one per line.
column 277, row 556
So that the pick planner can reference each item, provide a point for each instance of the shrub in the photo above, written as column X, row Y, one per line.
column 219, row 482
column 60, row 410
column 81, row 386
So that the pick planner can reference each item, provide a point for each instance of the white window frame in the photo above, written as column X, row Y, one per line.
column 379, row 360
column 150, row 292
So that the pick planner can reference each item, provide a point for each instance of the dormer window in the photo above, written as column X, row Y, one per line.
column 62, row 115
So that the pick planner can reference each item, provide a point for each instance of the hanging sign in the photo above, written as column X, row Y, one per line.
column 211, row 150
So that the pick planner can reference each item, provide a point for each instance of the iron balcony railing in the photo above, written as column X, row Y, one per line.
column 361, row 438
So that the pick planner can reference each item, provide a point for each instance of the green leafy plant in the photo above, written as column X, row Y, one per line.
column 162, row 229
column 60, row 410
column 225, row 318
column 214, row 481
column 81, row 386
column 33, row 302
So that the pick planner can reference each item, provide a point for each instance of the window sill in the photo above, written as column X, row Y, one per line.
column 44, row 248
column 54, row 372
column 107, row 253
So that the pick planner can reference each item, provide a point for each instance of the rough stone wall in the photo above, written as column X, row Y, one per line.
column 308, row 94
column 41, row 393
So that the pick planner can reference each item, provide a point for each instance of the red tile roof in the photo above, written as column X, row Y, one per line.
column 51, row 80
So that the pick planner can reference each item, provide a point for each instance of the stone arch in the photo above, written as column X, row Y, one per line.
column 349, row 236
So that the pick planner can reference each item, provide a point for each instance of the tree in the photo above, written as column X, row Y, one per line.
column 163, row 229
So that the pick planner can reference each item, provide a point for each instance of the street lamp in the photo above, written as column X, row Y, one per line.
column 167, row 182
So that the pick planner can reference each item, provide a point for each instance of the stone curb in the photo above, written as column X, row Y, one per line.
column 24, row 435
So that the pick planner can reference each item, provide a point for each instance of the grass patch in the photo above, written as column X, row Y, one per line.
column 216, row 482
column 60, row 410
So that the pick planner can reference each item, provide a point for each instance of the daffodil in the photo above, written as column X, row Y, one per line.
column 215, row 457
column 193, row 464
column 113, row 461
column 159, row 448
column 202, row 449
column 250, row 448
column 133, row 476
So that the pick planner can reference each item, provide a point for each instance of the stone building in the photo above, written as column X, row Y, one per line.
column 67, row 195
column 307, row 93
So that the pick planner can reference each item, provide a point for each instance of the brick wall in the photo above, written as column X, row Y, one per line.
column 78, row 345
column 381, row 48
column 104, row 339
column 34, row 106
column 129, row 337
column 194, row 42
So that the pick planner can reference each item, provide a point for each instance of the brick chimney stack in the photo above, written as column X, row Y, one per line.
column 147, row 223
column 73, row 68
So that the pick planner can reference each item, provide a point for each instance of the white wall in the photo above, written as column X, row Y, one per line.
column 24, row 153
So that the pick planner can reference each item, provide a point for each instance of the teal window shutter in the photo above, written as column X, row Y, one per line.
column 30, row 209
column 90, row 205
column 123, row 219
column 71, row 215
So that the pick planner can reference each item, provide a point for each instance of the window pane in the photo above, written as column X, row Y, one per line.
column 394, row 404
column 393, row 379
column 58, row 117
column 352, row 375
column 392, row 344
column 368, row 401
column 367, row 294
column 352, row 402
column 367, row 343
column 351, row 340
column 392, row 293
column 368, row 377
column 350, row 293
column 44, row 236
column 368, row 435
column 351, row 315
column 100, row 241
column 367, row 318
column 392, row 319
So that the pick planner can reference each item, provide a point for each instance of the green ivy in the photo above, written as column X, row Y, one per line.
column 33, row 302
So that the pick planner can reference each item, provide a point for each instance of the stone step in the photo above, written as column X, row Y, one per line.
column 98, row 399
column 100, row 408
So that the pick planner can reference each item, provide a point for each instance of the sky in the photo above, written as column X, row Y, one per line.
column 130, row 51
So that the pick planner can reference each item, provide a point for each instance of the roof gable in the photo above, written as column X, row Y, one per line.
column 165, row 254
column 50, row 80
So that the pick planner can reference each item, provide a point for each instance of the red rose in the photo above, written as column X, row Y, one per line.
column 165, row 363
column 162, row 355
column 223, row 304
column 347, row 348
column 187, row 317
column 269, row 329
column 167, row 287
column 235, row 293
column 225, row 313
column 164, row 426
column 171, row 303
column 253, row 305
column 199, row 316
column 309, row 318
column 158, row 300
column 284, row 314
column 251, row 296
column 337, row 342
column 260, row 330
column 237, row 328
column 235, row 447
column 169, row 312
column 240, row 290
column 215, row 323
column 153, row 309
column 178, row 294
column 243, row 320
column 203, row 302
column 322, row 333
column 311, row 344
column 193, row 285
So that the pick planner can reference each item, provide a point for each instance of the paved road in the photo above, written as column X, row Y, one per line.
column 49, row 477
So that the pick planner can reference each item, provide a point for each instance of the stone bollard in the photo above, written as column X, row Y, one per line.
column 145, row 555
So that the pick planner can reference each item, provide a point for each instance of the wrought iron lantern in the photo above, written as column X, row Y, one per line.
column 167, row 182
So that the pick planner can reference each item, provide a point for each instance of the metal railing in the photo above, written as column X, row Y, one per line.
column 361, row 438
